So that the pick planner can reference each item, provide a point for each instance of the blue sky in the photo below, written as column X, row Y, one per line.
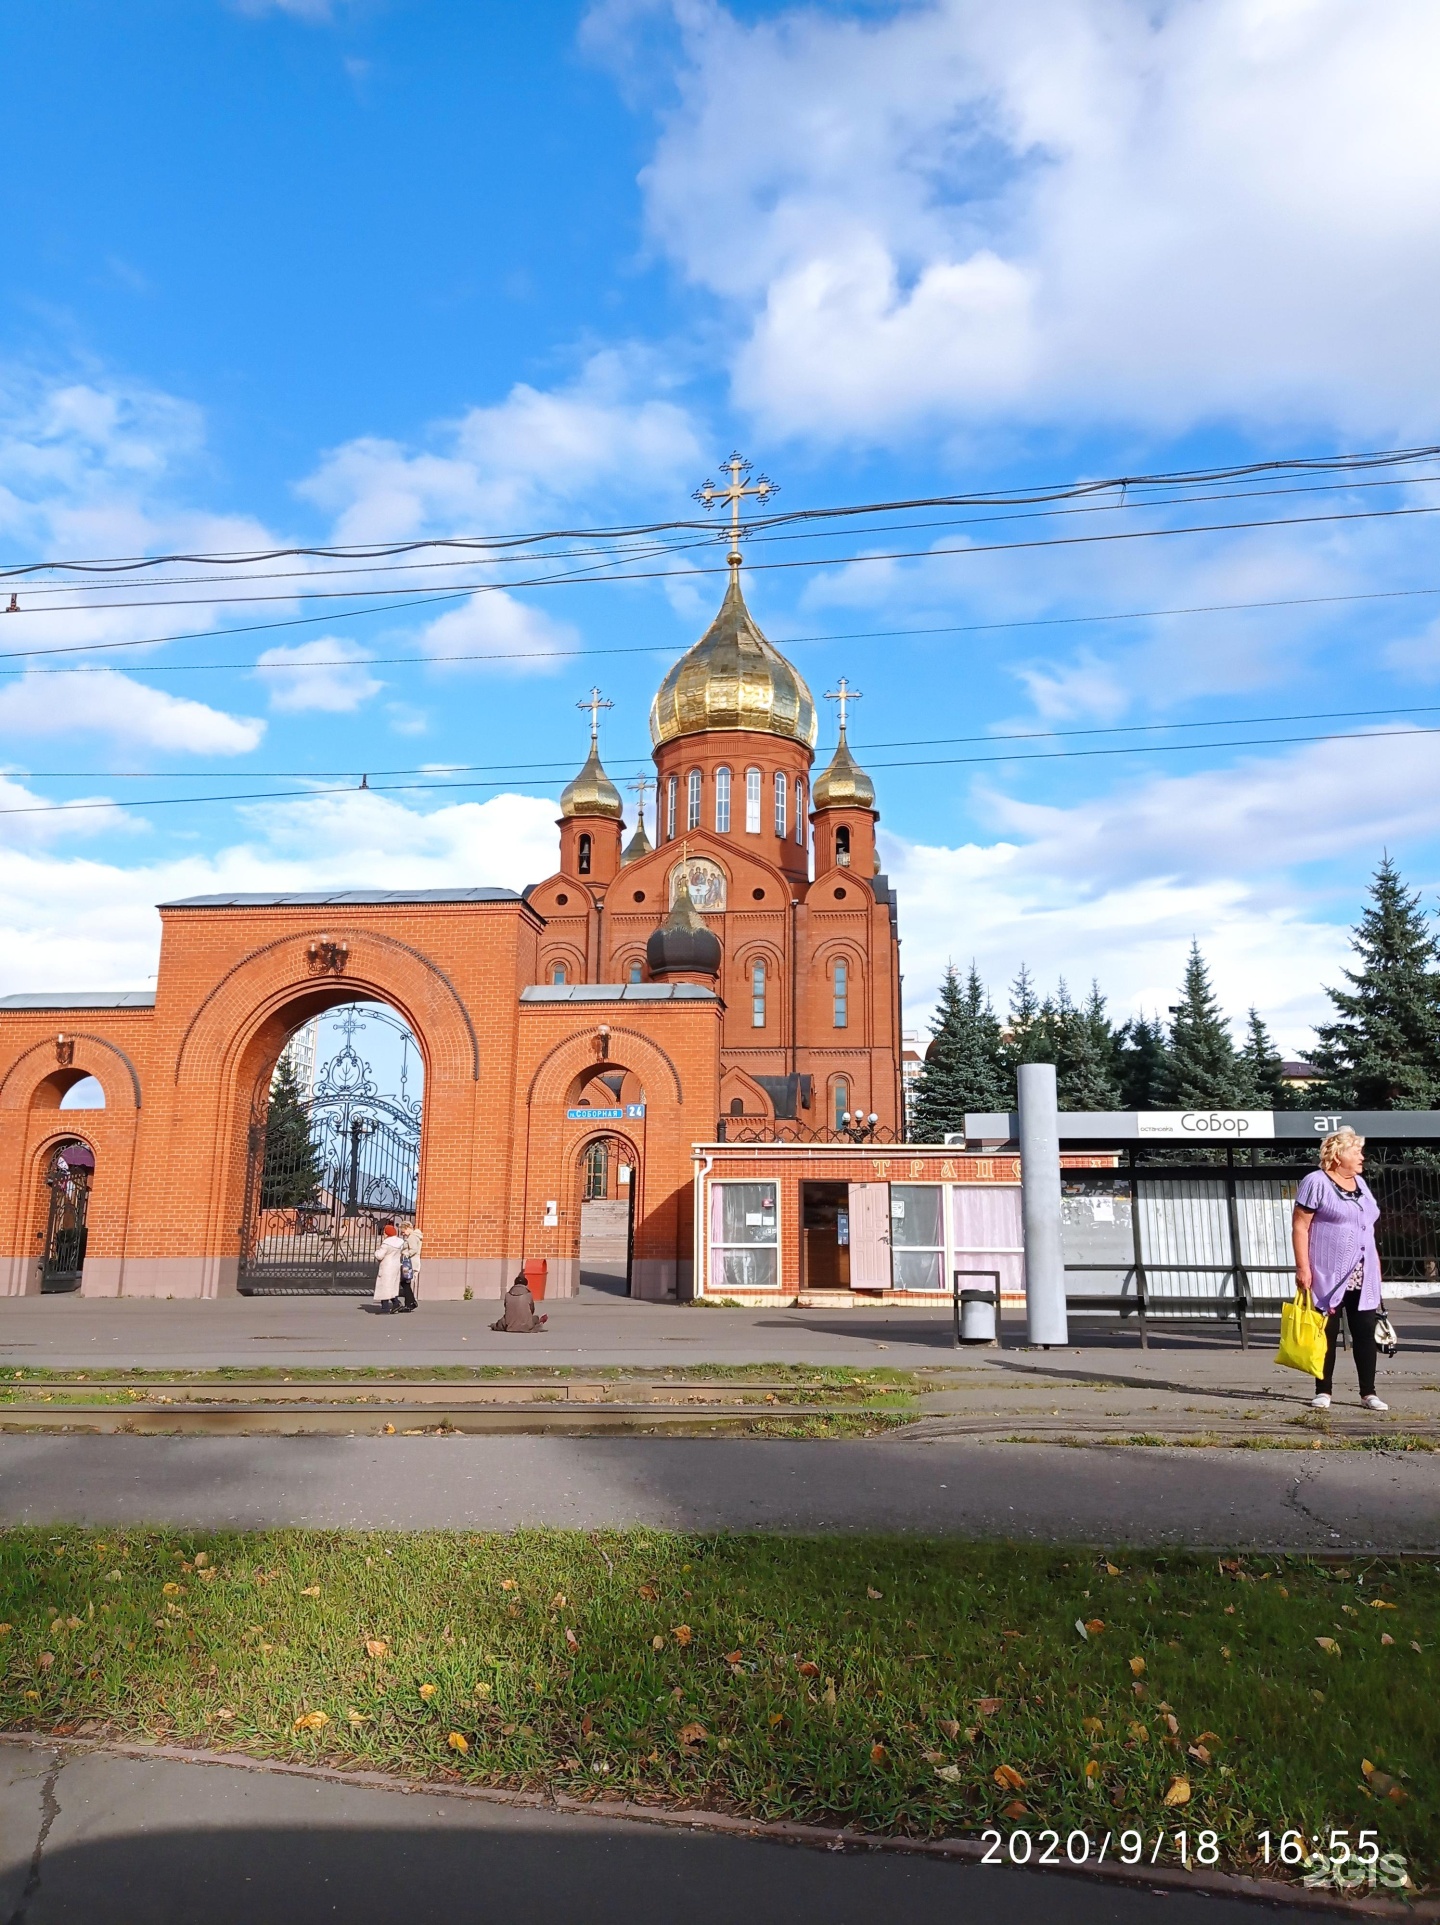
column 298, row 272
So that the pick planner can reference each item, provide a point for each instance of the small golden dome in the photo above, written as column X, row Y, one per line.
column 844, row 785
column 592, row 792
column 733, row 678
column 638, row 845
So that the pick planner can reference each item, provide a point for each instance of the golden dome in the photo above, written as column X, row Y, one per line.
column 592, row 792
column 733, row 679
column 844, row 785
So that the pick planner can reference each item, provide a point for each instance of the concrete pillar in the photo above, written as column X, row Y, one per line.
column 1040, row 1205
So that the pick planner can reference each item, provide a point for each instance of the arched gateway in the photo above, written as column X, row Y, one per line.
column 573, row 1042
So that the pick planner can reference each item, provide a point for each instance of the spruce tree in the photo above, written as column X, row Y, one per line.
column 1382, row 1050
column 1085, row 1053
column 964, row 1067
column 1143, row 1059
column 1260, row 1061
column 1203, row 1071
column 292, row 1169
column 1030, row 1035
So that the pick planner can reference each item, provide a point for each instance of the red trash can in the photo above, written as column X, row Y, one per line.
column 535, row 1270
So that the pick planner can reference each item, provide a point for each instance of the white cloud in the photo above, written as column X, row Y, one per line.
column 28, row 819
column 1073, row 209
column 111, row 704
column 496, row 624
column 85, row 924
column 324, row 674
column 318, row 11
column 497, row 470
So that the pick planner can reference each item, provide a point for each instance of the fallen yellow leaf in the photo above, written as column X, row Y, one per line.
column 1172, row 1724
column 1385, row 1638
column 871, row 1592
column 692, row 1734
column 950, row 1773
column 1017, row 1808
column 427, row 1692
column 951, row 1728
column 172, row 1589
column 987, row 1707
column 878, row 1754
column 1140, row 1734
column 649, row 1593
column 1382, row 1604
column 1092, row 1724
column 1199, row 1754
column 682, row 1633
column 388, row 1429
column 1112, row 1570
column 457, row 1741
column 311, row 1590
column 356, row 1718
column 507, row 1584
column 933, row 1757
column 809, row 1669
column 1137, row 1665
column 1008, row 1778
column 1179, row 1792
column 47, row 1658
column 571, row 1639
column 482, row 1691
column 558, row 1602
column 657, row 1643
column 828, row 1694
column 1092, row 1767
column 202, row 1558
column 376, row 1648
column 5, row 1630
column 1094, row 1626
column 1329, row 1647
column 312, row 1721
column 776, row 1717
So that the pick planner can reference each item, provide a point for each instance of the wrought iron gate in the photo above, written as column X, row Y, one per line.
column 68, row 1180
column 324, row 1172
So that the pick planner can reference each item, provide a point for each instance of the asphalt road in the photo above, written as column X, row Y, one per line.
column 1300, row 1500
column 109, row 1840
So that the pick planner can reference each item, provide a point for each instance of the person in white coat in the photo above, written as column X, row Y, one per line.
column 388, row 1253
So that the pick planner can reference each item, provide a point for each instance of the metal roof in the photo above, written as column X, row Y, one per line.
column 83, row 999
column 617, row 993
column 341, row 898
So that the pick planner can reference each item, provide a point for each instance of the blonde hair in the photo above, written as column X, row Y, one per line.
column 1334, row 1147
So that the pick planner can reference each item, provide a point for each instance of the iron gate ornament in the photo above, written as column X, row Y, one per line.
column 327, row 1169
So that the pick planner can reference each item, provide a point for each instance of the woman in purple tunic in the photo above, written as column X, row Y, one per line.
column 1333, row 1230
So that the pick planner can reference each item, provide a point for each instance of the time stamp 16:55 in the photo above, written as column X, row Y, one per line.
column 1342, row 1860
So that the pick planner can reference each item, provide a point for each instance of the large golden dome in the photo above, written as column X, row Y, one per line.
column 733, row 679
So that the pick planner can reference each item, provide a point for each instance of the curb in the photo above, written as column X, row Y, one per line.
column 967, row 1851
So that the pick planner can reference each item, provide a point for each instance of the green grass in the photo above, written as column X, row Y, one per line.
column 818, row 1679
column 799, row 1376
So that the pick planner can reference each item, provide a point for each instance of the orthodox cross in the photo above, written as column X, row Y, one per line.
column 738, row 489
column 844, row 695
column 594, row 701
column 640, row 787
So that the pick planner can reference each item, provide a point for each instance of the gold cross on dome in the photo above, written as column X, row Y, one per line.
column 594, row 701
column 640, row 787
column 844, row 695
column 736, row 490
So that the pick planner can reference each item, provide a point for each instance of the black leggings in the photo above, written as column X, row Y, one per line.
column 1362, row 1342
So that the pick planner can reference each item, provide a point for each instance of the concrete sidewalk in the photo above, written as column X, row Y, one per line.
column 113, row 1840
column 1339, row 1500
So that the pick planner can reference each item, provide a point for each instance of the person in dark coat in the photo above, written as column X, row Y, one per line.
column 519, row 1314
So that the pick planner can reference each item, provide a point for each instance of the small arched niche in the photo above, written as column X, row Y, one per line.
column 69, row 1089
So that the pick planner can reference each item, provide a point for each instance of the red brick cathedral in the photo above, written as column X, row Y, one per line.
column 582, row 1042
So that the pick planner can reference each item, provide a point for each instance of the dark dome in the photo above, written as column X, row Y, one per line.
column 683, row 942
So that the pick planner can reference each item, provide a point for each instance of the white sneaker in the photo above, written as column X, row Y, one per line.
column 1321, row 1400
column 1372, row 1402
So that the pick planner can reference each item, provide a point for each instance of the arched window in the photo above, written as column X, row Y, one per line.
column 692, row 801
column 558, row 974
column 840, row 1106
column 737, row 1105
column 799, row 811
column 842, row 846
column 635, row 973
column 757, row 995
column 672, row 792
column 782, row 792
column 597, row 1171
column 583, row 855
column 722, row 802
column 752, row 802
column 840, row 979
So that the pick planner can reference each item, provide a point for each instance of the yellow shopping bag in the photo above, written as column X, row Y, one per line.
column 1302, row 1336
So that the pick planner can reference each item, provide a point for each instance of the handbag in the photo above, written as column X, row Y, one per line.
column 1302, row 1336
column 1386, row 1341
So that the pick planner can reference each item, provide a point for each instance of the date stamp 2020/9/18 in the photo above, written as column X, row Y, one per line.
column 1337, row 1860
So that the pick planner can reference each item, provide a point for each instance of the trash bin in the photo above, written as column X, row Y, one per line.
column 977, row 1316
column 535, row 1271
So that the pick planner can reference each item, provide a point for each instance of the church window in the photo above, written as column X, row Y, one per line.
column 840, row 1090
column 583, row 862
column 799, row 810
column 635, row 975
column 558, row 975
column 692, row 801
column 672, row 790
column 840, row 978
column 737, row 1105
column 752, row 802
column 757, row 995
column 722, row 802
column 782, row 791
column 842, row 846
column 597, row 1172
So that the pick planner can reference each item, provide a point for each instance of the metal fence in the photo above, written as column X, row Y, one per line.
column 1211, row 1242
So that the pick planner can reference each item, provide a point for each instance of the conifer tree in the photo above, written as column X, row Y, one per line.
column 1143, row 1058
column 1382, row 1050
column 1202, row 1070
column 1260, row 1061
column 292, row 1169
column 1085, row 1053
column 1030, row 1037
column 964, row 1066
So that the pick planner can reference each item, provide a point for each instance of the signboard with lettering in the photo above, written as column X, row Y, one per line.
column 1212, row 1126
column 605, row 1116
